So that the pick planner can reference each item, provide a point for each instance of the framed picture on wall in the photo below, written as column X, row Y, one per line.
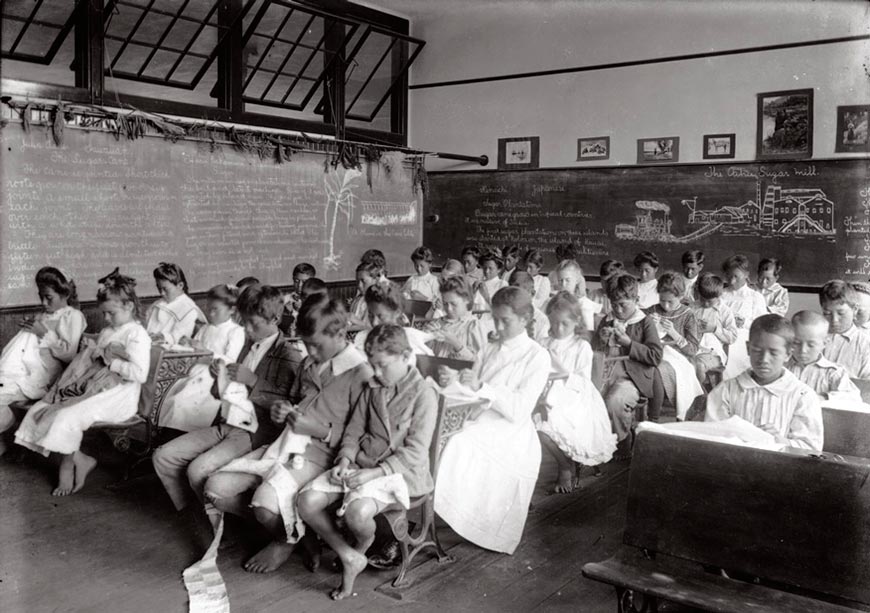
column 718, row 146
column 593, row 148
column 660, row 150
column 519, row 152
column 785, row 125
column 852, row 128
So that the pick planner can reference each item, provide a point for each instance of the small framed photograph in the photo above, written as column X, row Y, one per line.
column 852, row 128
column 661, row 150
column 718, row 146
column 519, row 152
column 594, row 148
column 785, row 125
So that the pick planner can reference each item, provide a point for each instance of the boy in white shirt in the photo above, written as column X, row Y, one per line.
column 540, row 322
column 862, row 304
column 829, row 380
column 848, row 344
column 423, row 285
column 767, row 395
column 775, row 295
column 716, row 325
column 692, row 262
column 746, row 304
column 647, row 265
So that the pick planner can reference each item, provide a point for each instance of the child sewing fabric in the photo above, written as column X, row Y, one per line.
column 384, row 457
column 189, row 404
column 767, row 395
column 746, row 304
column 489, row 469
column 716, row 325
column 376, row 257
column 491, row 266
column 862, row 304
column 423, row 285
column 628, row 333
column 367, row 274
column 267, row 368
column 576, row 429
column 533, row 261
column 470, row 262
column 265, row 482
column 175, row 314
column 459, row 334
column 540, row 329
column 692, row 262
column 646, row 263
column 775, row 295
column 511, row 254
column 385, row 305
column 678, row 330
column 829, row 380
column 293, row 299
column 599, row 296
column 571, row 280
column 101, row 384
column 848, row 345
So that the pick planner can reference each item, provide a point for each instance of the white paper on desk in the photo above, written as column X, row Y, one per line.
column 176, row 348
column 845, row 402
column 734, row 431
column 456, row 392
column 236, row 409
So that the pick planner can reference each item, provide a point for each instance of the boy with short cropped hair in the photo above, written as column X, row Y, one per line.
column 848, row 345
column 692, row 262
column 646, row 263
column 366, row 276
column 862, row 301
column 829, row 380
column 540, row 322
column 423, row 285
column 767, row 395
column 716, row 325
column 775, row 295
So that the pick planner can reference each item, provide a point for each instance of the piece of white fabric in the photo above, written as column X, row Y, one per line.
column 687, row 388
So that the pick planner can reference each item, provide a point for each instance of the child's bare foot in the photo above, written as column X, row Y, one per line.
column 596, row 471
column 84, row 464
column 66, row 477
column 351, row 566
column 269, row 558
column 565, row 482
column 311, row 552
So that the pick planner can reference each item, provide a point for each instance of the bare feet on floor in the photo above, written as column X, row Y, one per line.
column 66, row 477
column 351, row 566
column 270, row 558
column 84, row 464
column 565, row 483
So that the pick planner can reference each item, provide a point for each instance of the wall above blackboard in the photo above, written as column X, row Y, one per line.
column 814, row 216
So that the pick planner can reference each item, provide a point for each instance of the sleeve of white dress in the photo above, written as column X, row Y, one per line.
column 518, row 404
column 64, row 342
column 718, row 403
column 806, row 430
column 235, row 343
column 583, row 366
column 138, row 347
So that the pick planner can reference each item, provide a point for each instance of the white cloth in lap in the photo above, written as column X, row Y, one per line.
column 470, row 332
column 189, row 404
column 687, row 386
column 389, row 489
column 173, row 320
column 115, row 405
column 577, row 419
column 427, row 285
column 489, row 469
column 776, row 297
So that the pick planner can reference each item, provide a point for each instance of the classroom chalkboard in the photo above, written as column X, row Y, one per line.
column 814, row 216
column 96, row 202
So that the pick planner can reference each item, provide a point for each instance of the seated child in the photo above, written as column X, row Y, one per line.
column 175, row 314
column 367, row 274
column 628, row 332
column 693, row 263
column 599, row 296
column 569, row 251
column 767, row 395
column 489, row 469
column 101, row 384
column 293, row 299
column 470, row 259
column 716, row 325
column 646, row 263
column 266, row 368
column 775, row 295
column 540, row 329
column 678, row 330
column 459, row 334
column 452, row 268
column 43, row 346
column 188, row 404
column 511, row 255
column 266, row 481
column 576, row 429
column 848, row 345
column 423, row 285
column 491, row 265
column 571, row 280
column 385, row 306
column 533, row 260
column 829, row 380
column 862, row 304
column 746, row 304
column 376, row 257
column 383, row 461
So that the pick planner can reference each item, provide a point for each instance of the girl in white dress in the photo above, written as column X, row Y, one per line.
column 384, row 305
column 571, row 280
column 175, row 314
column 459, row 334
column 489, row 469
column 534, row 261
column 189, row 405
column 746, row 304
column 647, row 265
column 491, row 265
column 577, row 427
column 42, row 348
column 100, row 385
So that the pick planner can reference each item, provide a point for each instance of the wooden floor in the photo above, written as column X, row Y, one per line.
column 124, row 552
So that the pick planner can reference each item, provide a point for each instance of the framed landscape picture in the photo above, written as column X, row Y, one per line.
column 785, row 125
column 852, row 128
column 660, row 150
column 718, row 146
column 594, row 148
column 519, row 152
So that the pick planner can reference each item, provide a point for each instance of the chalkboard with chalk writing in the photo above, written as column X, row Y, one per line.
column 814, row 216
column 95, row 203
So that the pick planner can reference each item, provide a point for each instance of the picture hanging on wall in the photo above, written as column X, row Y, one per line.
column 593, row 148
column 661, row 150
column 517, row 153
column 785, row 125
column 718, row 146
column 852, row 128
